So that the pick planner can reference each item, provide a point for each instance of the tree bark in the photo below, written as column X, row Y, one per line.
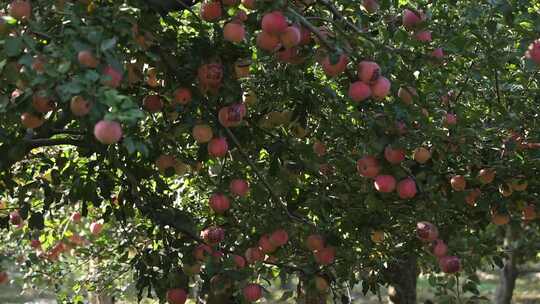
column 509, row 272
column 403, row 277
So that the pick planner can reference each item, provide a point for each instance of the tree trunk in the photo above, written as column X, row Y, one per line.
column 509, row 272
column 403, row 276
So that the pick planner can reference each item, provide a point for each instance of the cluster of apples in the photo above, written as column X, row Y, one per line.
column 323, row 254
column 370, row 84
column 428, row 232
column 220, row 203
column 414, row 21
column 368, row 166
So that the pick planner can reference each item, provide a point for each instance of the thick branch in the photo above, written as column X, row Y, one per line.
column 48, row 142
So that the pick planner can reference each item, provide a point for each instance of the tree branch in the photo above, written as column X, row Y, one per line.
column 48, row 142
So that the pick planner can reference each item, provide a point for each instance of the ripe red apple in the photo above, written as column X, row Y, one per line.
column 394, row 156
column 202, row 133
column 4, row 278
column 332, row 70
column 266, row 245
column 211, row 11
column 241, row 16
column 164, row 162
column 182, row 96
column 76, row 217
column 239, row 261
column 315, row 242
column 176, row 296
column 291, row 37
column 385, row 183
column 252, row 292
column 368, row 71
column 368, row 166
column 79, row 106
column 219, row 203
column 450, row 119
column 114, row 77
column 371, row 6
column 95, row 228
column 268, row 42
column 210, row 74
column 274, row 23
column 381, row 88
column 533, row 53
column 201, row 252
column 279, row 237
column 254, row 254
column 319, row 148
column 437, row 53
column 377, row 236
column 450, row 264
column 472, row 196
column 486, row 176
column 213, row 235
column 108, row 132
column 234, row 32
column 31, row 121
column 421, row 155
column 20, row 9
column 232, row 116
column 249, row 4
column 359, row 91
column 406, row 188
column 458, row 183
column 239, row 187
column 325, row 256
column 87, row 59
column 41, row 102
column 412, row 19
column 153, row 103
column 423, row 36
column 305, row 35
column 439, row 248
column 15, row 218
column 426, row 231
column 407, row 94
column 218, row 147
column 500, row 219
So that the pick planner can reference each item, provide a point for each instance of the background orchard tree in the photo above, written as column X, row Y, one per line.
column 214, row 147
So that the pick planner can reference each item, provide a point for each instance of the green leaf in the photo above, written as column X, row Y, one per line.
column 13, row 46
column 108, row 44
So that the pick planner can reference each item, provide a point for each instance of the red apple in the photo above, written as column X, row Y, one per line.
column 368, row 166
column 41, row 102
column 274, row 23
column 114, row 77
column 182, row 96
column 331, row 69
column 79, row 106
column 533, row 53
column 201, row 252
column 239, row 261
column 385, row 183
column 486, row 176
column 359, row 91
column 406, row 188
column 450, row 119
column 95, row 228
column 35, row 243
column 219, row 203
column 4, row 278
column 426, row 231
column 249, row 4
column 319, row 148
column 202, row 133
column 31, row 121
column 20, row 9
column 266, row 245
column 371, row 6
column 252, row 292
column 239, row 187
column 153, row 103
column 394, row 156
column 412, row 19
column 458, row 183
column 234, row 32
column 108, row 132
column 437, row 53
column 439, row 248
column 279, row 237
column 421, row 155
column 211, row 11
column 218, row 147
column 213, row 235
column 254, row 254
column 87, row 59
column 325, row 256
column 176, row 296
column 368, row 71
column 450, row 264
column 423, row 36
column 268, row 42
column 291, row 37
column 381, row 88
column 407, row 94
column 529, row 213
column 15, row 218
column 76, row 217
